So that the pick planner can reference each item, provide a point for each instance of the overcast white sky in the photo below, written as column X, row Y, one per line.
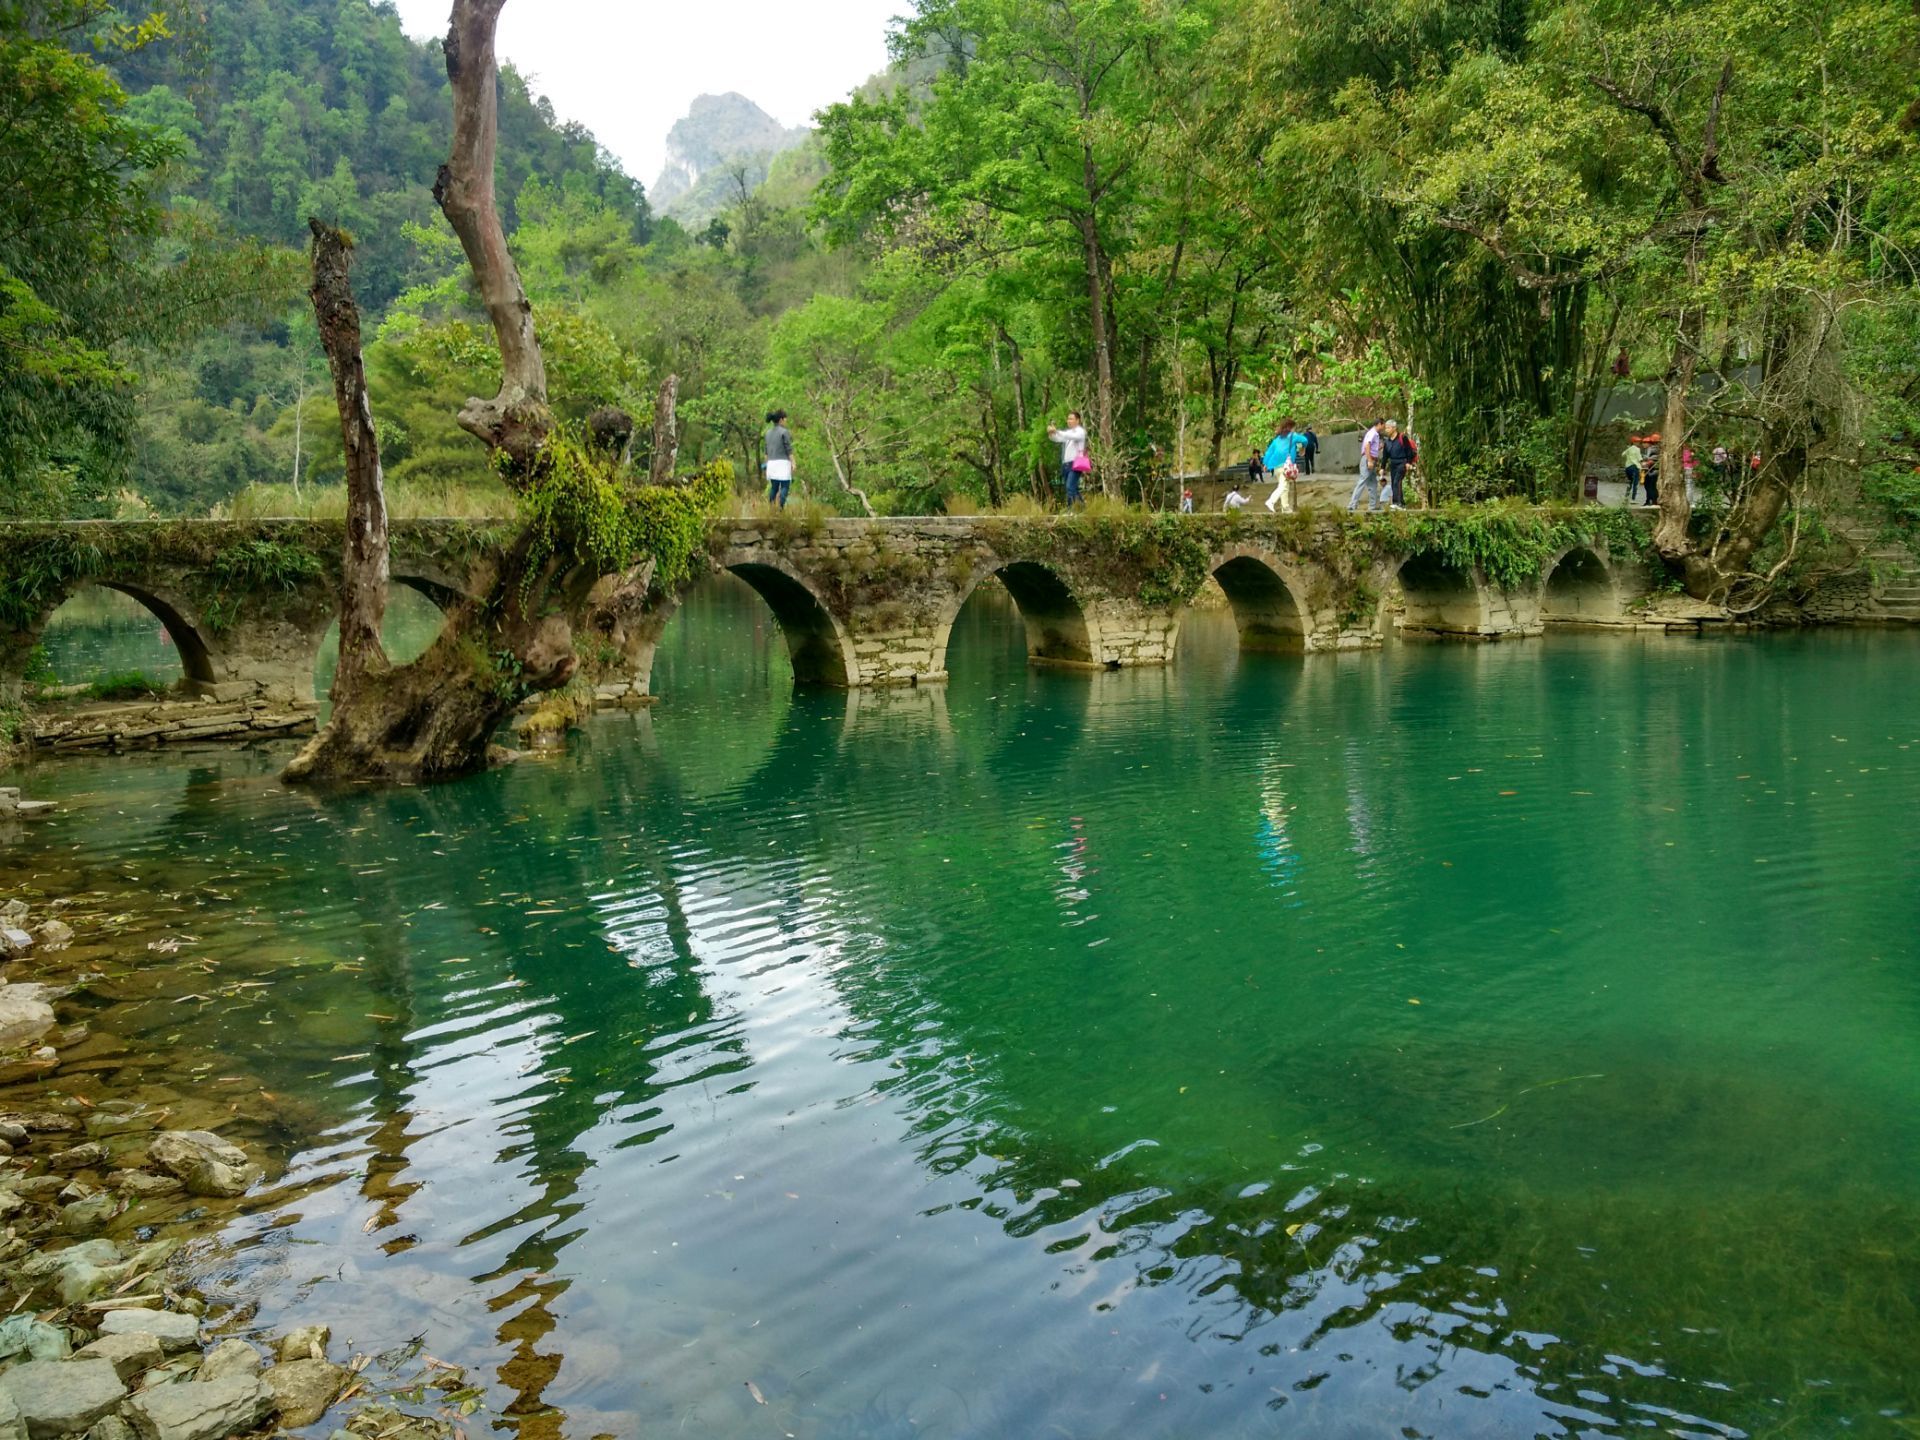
column 627, row 69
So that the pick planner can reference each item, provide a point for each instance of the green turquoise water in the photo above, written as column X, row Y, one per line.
column 101, row 633
column 1504, row 1041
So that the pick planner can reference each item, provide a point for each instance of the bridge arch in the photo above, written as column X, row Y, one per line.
column 1058, row 630
column 1579, row 587
column 816, row 641
column 189, row 635
column 1442, row 597
column 1266, row 600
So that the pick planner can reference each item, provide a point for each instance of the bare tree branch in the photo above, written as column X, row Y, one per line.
column 516, row 421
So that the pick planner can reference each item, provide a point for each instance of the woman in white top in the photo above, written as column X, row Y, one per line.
column 1072, row 439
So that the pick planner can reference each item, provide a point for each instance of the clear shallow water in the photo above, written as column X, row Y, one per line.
column 1451, row 1041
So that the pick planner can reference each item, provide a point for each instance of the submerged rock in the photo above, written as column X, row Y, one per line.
column 62, row 1397
column 309, row 1342
column 90, row 1156
column 88, row 1216
column 304, row 1390
column 140, row 1184
column 207, row 1164
column 229, row 1406
column 25, row 1015
column 54, row 934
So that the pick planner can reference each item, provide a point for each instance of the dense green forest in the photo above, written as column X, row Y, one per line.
column 1185, row 218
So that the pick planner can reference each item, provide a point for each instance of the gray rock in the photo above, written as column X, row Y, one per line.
column 15, row 941
column 13, row 910
column 81, row 1282
column 230, row 1357
column 25, row 1014
column 129, row 1354
column 206, row 1164
column 104, row 1123
column 309, row 1342
column 175, row 1332
column 32, row 1339
column 54, row 934
column 90, row 1156
column 12, row 1426
column 39, row 1188
column 213, row 1411
column 110, row 1428
column 12, row 1132
column 139, row 1183
column 50, row 1262
column 89, row 1216
column 304, row 1390
column 62, row 1397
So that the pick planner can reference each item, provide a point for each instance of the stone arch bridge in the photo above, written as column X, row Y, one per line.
column 861, row 603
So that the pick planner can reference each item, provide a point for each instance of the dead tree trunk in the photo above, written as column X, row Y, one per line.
column 363, row 570
column 435, row 719
column 666, row 433
column 516, row 421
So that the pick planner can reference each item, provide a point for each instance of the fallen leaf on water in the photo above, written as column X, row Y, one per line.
column 1293, row 1230
column 1413, row 1002
column 754, row 1390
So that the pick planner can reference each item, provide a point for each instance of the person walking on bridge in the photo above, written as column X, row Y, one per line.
column 779, row 444
column 1373, row 453
column 1074, row 460
column 1282, row 461
column 1401, row 453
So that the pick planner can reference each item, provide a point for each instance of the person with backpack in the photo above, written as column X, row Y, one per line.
column 1075, row 463
column 1401, row 455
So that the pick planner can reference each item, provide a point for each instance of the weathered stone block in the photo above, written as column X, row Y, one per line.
column 62, row 1397
column 231, row 1406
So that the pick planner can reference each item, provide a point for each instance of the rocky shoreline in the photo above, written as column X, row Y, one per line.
column 106, row 1208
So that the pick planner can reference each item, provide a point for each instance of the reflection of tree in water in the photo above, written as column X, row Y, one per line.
column 1300, row 1272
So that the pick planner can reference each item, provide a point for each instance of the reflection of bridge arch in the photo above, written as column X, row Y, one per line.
column 1058, row 630
column 1579, row 587
column 1266, row 596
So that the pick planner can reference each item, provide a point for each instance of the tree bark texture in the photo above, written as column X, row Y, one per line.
column 363, row 571
column 515, row 422
column 435, row 719
column 666, row 433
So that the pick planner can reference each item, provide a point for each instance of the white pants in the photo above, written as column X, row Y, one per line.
column 1279, row 495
